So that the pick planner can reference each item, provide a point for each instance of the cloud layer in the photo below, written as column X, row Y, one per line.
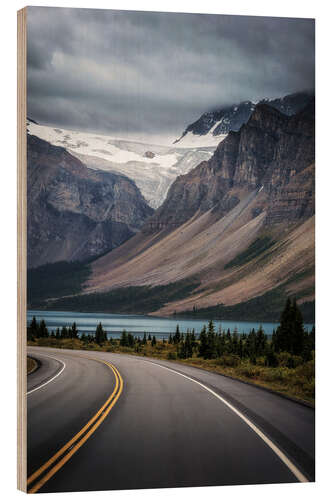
column 142, row 73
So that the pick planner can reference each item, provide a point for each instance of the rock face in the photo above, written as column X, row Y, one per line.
column 239, row 226
column 149, row 154
column 75, row 213
column 231, row 118
column 272, row 152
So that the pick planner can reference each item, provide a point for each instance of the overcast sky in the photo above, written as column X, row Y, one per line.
column 139, row 73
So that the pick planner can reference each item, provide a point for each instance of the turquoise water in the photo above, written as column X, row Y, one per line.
column 114, row 324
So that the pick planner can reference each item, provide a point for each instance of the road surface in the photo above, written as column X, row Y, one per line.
column 103, row 421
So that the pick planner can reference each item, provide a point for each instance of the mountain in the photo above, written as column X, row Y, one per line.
column 235, row 233
column 75, row 213
column 213, row 126
column 153, row 168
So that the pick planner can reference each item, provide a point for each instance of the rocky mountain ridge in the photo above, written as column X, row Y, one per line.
column 220, row 122
column 268, row 153
column 75, row 213
column 236, row 227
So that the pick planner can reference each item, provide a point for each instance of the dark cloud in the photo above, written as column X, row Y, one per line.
column 139, row 72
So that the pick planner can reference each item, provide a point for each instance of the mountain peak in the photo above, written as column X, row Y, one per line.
column 218, row 123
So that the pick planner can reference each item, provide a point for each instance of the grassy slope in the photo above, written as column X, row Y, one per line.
column 55, row 280
column 254, row 250
column 31, row 365
column 131, row 300
column 63, row 281
column 266, row 307
column 144, row 300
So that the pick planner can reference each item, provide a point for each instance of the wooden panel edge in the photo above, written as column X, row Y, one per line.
column 21, row 249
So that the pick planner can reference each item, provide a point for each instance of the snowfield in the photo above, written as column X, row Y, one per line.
column 190, row 140
column 152, row 167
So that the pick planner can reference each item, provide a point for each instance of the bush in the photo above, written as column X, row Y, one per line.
column 249, row 371
column 229, row 360
column 277, row 375
column 306, row 370
column 172, row 355
column 271, row 359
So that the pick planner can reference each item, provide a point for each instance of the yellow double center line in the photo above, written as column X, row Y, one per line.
column 59, row 459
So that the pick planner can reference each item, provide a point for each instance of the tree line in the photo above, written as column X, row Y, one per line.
column 290, row 337
column 39, row 330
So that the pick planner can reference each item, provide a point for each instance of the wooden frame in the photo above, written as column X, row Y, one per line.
column 21, row 250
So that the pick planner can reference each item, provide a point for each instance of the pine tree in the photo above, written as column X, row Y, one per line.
column 240, row 347
column 203, row 343
column 284, row 330
column 32, row 332
column 130, row 340
column 290, row 335
column 42, row 330
column 176, row 337
column 100, row 334
column 271, row 359
column 221, row 344
column 124, row 339
column 64, row 333
column 153, row 341
column 211, row 352
column 298, row 338
column 188, row 345
column 74, row 332
column 181, row 350
column 193, row 340
column 261, row 340
column 234, row 342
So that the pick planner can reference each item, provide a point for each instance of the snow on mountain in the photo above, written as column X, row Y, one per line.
column 153, row 168
column 191, row 140
column 213, row 126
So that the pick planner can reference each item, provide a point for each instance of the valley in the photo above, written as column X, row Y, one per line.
column 236, row 228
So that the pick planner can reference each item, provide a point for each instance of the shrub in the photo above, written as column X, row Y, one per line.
column 172, row 355
column 306, row 370
column 271, row 359
column 289, row 360
column 277, row 375
column 229, row 360
column 249, row 371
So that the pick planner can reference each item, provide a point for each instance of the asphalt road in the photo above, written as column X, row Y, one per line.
column 150, row 423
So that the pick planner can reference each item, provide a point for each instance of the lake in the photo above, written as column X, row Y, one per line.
column 114, row 324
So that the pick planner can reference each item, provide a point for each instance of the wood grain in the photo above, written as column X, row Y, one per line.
column 21, row 249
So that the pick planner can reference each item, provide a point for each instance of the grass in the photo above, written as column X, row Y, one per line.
column 31, row 365
column 297, row 382
column 130, row 300
column 266, row 307
column 55, row 280
column 256, row 248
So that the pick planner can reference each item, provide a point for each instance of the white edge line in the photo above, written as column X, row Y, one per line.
column 55, row 376
column 297, row 473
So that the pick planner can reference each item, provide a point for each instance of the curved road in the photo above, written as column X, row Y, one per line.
column 124, row 422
